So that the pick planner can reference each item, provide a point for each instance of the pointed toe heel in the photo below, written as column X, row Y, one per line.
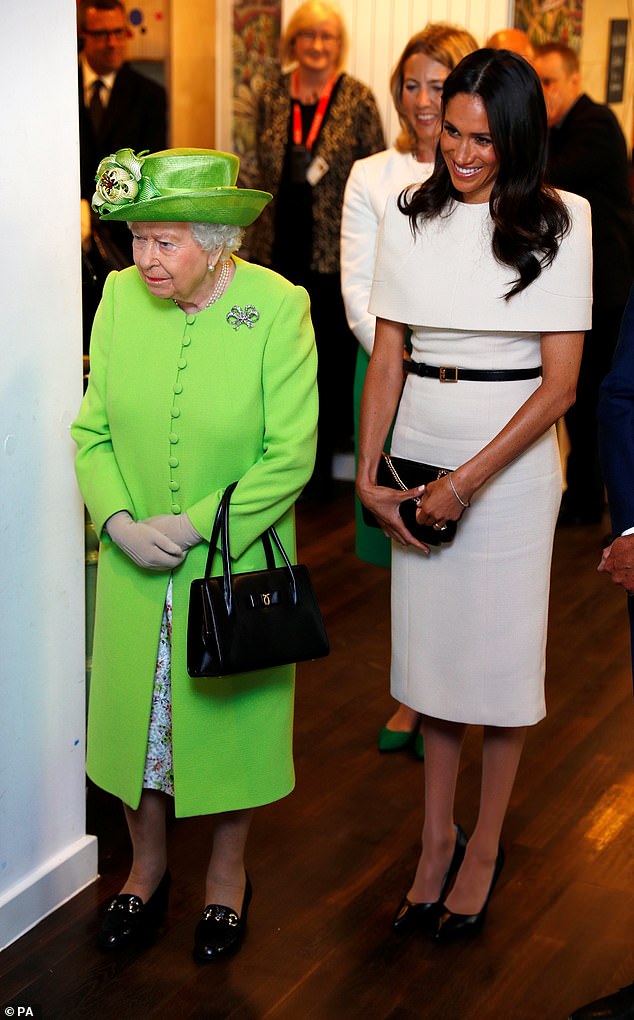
column 424, row 917
column 458, row 926
column 419, row 917
column 396, row 740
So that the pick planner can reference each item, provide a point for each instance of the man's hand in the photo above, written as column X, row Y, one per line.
column 618, row 562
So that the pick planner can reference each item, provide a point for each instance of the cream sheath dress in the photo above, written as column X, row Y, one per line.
column 469, row 621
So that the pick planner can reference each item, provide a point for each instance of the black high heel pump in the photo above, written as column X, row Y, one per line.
column 423, row 917
column 455, row 926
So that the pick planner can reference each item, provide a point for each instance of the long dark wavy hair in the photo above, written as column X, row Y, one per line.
column 529, row 218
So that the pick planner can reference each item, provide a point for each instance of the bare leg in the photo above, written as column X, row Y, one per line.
column 226, row 877
column 404, row 720
column 443, row 745
column 501, row 752
column 146, row 825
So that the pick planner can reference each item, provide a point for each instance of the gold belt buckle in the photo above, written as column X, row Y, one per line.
column 448, row 373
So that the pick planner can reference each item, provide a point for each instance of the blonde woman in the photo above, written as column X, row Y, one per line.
column 313, row 122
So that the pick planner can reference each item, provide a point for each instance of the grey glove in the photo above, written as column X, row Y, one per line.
column 177, row 527
column 142, row 543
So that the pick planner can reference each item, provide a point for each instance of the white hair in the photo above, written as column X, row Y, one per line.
column 213, row 235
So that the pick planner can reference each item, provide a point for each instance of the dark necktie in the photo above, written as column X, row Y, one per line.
column 96, row 106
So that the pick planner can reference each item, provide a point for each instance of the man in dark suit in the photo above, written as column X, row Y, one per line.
column 118, row 108
column 616, row 435
column 588, row 156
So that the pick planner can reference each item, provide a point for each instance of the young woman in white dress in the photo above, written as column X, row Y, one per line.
column 490, row 270
column 416, row 86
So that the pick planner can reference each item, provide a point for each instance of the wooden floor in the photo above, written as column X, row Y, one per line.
column 329, row 863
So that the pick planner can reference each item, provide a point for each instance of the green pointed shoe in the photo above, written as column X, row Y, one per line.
column 396, row 740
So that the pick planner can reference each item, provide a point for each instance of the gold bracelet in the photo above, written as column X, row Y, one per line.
column 453, row 489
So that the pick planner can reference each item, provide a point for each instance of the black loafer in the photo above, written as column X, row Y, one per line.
column 456, row 926
column 220, row 932
column 129, row 921
column 618, row 1006
column 423, row 917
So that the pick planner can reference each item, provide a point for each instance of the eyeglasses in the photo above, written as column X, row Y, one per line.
column 103, row 34
column 309, row 36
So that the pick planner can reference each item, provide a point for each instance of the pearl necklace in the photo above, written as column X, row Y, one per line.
column 221, row 283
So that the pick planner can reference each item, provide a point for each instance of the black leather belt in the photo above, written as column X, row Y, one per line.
column 451, row 374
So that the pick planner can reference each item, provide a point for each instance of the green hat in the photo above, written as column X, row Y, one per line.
column 177, row 185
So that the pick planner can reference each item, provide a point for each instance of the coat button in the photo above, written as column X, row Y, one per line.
column 173, row 461
column 178, row 387
column 182, row 362
column 186, row 341
column 176, row 412
column 173, row 438
column 174, row 486
column 176, row 508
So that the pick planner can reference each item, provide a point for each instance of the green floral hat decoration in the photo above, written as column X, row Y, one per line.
column 177, row 185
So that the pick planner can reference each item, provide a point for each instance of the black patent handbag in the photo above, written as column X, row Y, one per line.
column 400, row 473
column 252, row 620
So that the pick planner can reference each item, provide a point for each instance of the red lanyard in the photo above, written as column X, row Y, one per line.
column 322, row 105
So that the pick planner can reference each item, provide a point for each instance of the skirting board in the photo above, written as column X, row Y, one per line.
column 45, row 889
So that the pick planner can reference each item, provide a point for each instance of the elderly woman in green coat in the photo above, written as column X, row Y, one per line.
column 202, row 371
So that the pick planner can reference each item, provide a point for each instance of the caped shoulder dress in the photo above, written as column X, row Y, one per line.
column 177, row 407
column 469, row 622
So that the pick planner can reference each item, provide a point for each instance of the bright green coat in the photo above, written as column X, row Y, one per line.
column 177, row 407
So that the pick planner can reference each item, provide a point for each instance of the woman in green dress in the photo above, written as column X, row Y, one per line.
column 203, row 372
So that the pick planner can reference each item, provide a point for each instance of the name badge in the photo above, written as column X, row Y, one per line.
column 317, row 169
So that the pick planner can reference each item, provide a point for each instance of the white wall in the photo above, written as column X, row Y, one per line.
column 45, row 855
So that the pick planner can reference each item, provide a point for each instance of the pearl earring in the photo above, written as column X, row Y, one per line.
column 211, row 267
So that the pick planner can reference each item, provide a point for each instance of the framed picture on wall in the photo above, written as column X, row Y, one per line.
column 544, row 20
column 617, row 58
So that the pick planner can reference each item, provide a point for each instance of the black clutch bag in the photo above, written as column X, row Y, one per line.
column 399, row 473
column 252, row 620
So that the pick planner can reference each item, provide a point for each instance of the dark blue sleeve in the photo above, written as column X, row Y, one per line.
column 616, row 426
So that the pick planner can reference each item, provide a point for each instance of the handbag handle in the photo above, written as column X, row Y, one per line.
column 221, row 528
